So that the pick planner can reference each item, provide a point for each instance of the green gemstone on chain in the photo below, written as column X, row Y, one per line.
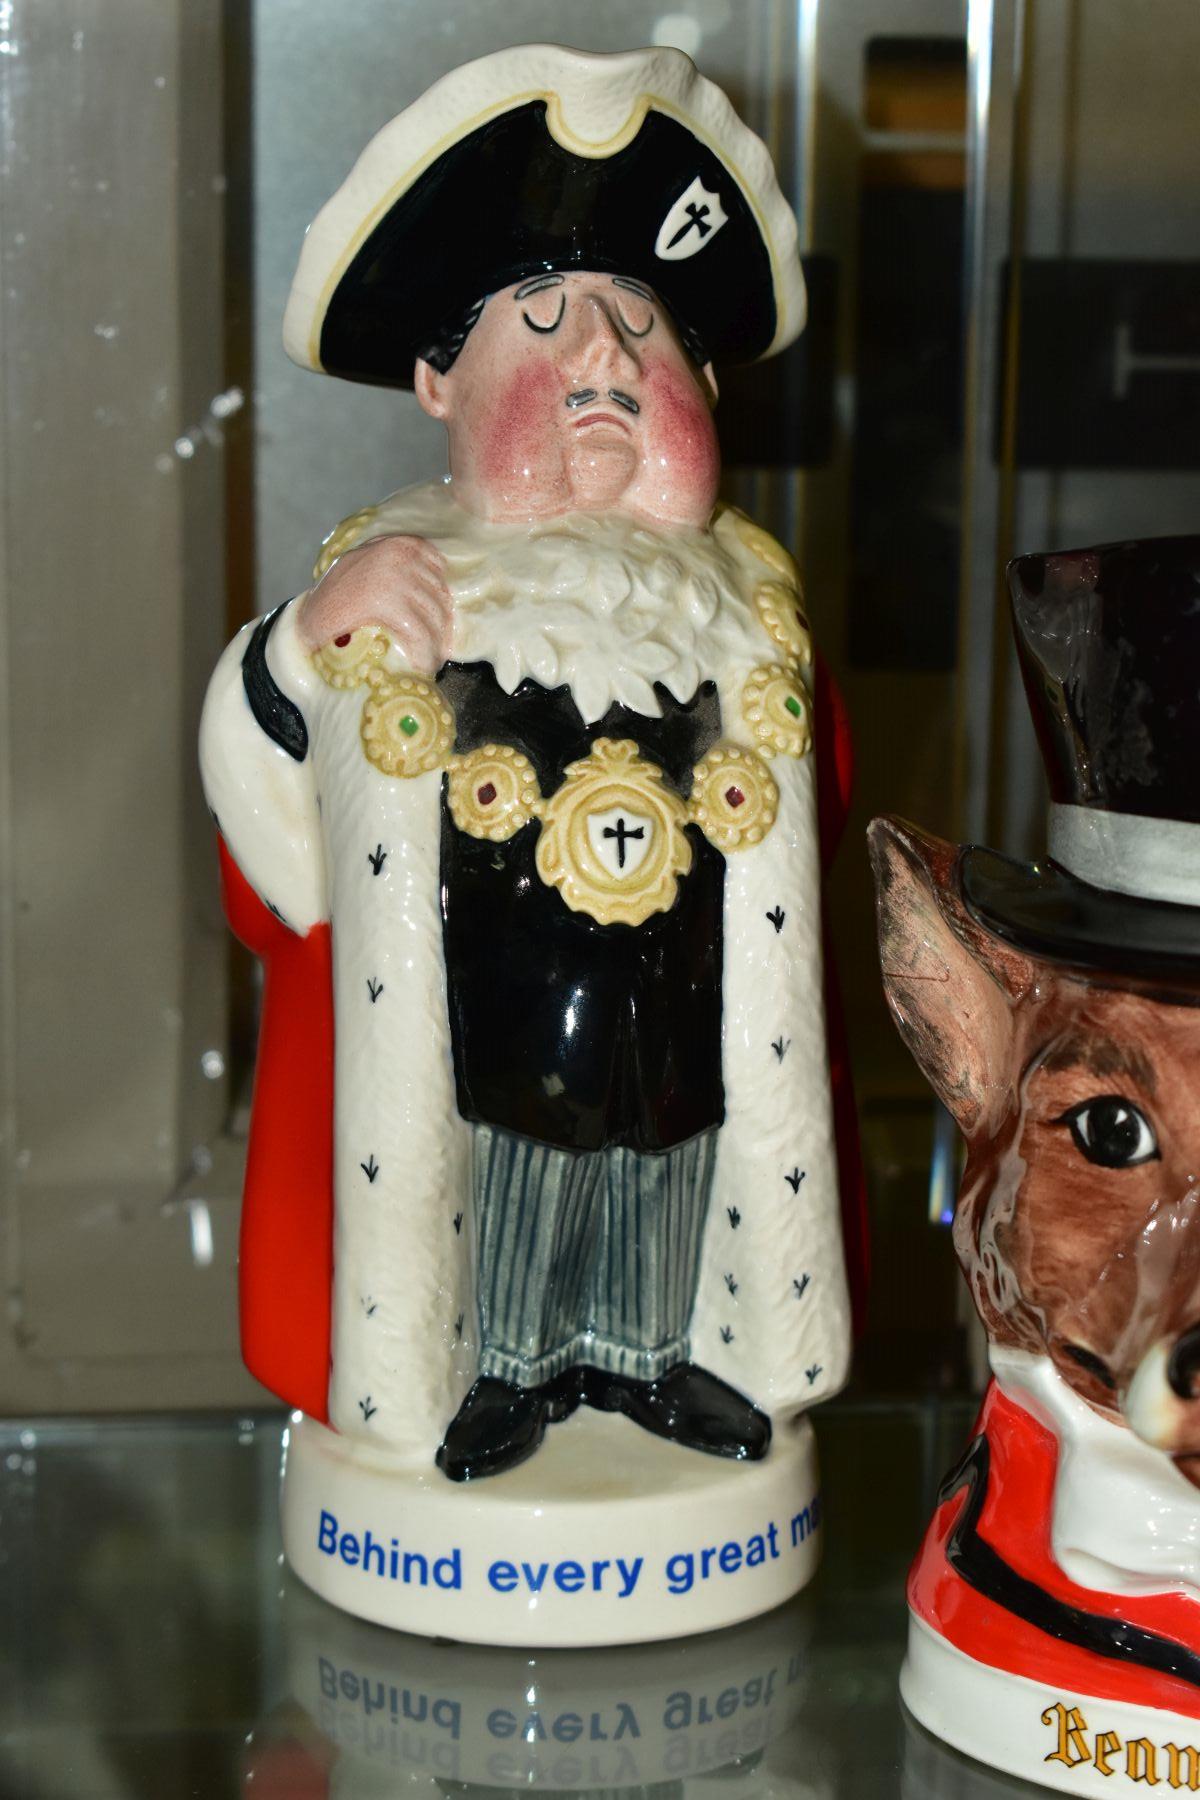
column 793, row 705
column 409, row 726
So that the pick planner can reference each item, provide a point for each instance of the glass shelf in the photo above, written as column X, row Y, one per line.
column 153, row 1645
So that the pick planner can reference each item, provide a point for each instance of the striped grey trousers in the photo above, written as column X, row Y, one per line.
column 587, row 1257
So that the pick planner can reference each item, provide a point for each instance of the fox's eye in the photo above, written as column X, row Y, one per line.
column 1112, row 1132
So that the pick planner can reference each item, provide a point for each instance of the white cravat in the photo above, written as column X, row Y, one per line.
column 1126, row 1521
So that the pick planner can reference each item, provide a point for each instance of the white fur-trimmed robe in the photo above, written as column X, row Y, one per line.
column 772, row 1313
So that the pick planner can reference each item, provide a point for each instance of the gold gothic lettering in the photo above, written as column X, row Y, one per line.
column 1141, row 1763
column 1183, row 1767
column 1072, row 1742
column 1107, row 1744
column 1076, row 1743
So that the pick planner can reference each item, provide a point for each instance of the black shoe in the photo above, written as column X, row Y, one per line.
column 689, row 1406
column 500, row 1424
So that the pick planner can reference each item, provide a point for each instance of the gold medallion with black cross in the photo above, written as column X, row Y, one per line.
column 613, row 840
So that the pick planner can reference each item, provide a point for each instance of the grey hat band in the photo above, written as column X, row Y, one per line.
column 1127, row 853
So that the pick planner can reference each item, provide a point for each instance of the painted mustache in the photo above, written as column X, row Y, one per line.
column 585, row 396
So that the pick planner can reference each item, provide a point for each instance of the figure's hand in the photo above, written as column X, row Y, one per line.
column 397, row 583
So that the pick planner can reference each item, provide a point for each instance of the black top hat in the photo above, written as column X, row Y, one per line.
column 1109, row 644
column 537, row 159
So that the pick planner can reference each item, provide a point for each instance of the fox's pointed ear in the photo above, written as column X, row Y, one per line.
column 952, row 988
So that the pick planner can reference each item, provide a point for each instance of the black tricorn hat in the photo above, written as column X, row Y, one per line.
column 1109, row 645
column 541, row 159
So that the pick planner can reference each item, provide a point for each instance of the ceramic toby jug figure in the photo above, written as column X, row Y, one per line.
column 1055, row 1007
column 518, row 804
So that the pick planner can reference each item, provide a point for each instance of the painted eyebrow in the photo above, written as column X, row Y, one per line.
column 634, row 287
column 539, row 281
column 1103, row 1057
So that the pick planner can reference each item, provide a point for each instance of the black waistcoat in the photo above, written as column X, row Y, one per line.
column 567, row 1031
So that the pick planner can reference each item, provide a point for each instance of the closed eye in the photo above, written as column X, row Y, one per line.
column 554, row 323
column 632, row 329
column 1111, row 1132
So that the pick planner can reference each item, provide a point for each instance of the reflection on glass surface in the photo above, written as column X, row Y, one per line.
column 153, row 1648
column 932, row 1771
column 368, row 1711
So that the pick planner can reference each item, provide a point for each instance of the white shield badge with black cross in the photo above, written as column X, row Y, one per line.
column 692, row 222
column 621, row 839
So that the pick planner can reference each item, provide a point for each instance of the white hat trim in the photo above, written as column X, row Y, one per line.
column 595, row 105
column 1151, row 859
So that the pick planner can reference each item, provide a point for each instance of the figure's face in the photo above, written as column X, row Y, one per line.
column 573, row 392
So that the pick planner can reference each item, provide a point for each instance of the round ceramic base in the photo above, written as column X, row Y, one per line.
column 607, row 1536
column 1053, row 1736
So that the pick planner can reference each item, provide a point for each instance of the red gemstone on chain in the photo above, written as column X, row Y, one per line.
column 342, row 641
column 486, row 794
column 735, row 796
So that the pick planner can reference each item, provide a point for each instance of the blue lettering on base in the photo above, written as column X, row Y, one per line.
column 611, row 1577
column 686, row 1568
column 412, row 1568
column 569, row 1576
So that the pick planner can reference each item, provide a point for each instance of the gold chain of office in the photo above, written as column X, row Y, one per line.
column 613, row 836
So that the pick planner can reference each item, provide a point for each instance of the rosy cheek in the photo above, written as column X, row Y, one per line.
column 519, row 422
column 682, row 437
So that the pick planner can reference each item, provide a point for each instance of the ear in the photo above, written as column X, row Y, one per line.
column 430, row 387
column 952, row 988
column 708, row 381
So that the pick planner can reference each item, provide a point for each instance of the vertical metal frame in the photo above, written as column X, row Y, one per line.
column 112, row 952
column 995, row 42
column 9, row 1264
column 995, row 47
